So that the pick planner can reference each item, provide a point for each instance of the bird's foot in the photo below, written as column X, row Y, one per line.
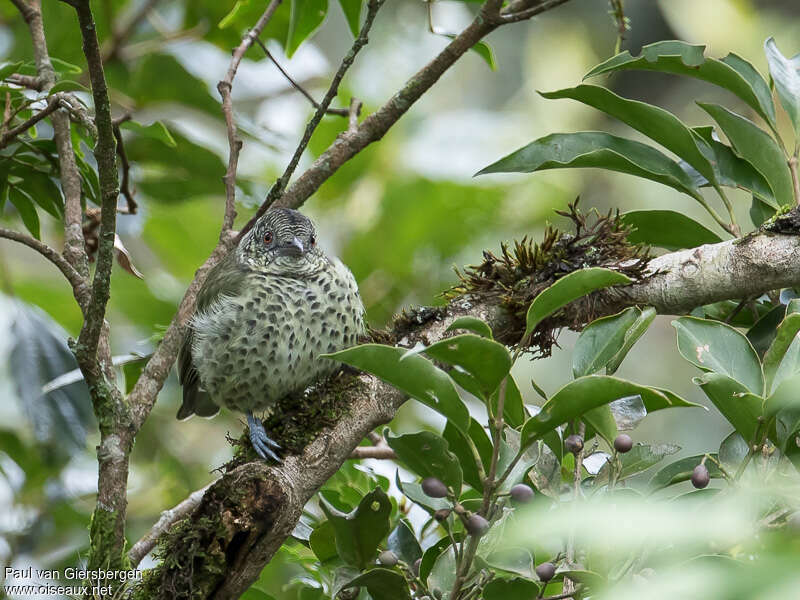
column 262, row 444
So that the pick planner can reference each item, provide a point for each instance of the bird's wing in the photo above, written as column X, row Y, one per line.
column 226, row 278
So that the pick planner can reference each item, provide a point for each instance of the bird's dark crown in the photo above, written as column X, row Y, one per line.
column 282, row 239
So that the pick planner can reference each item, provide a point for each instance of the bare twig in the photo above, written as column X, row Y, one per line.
column 28, row 81
column 169, row 517
column 522, row 11
column 342, row 112
column 51, row 106
column 234, row 143
column 278, row 187
column 380, row 452
column 79, row 287
column 354, row 112
column 125, row 166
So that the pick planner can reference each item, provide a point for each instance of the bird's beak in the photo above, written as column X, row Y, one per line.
column 292, row 248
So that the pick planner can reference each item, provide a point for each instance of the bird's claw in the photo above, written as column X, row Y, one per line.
column 262, row 444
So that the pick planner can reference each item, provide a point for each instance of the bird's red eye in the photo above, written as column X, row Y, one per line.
column 268, row 237
column 313, row 241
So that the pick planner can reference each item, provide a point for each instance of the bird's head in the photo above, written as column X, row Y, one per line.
column 282, row 242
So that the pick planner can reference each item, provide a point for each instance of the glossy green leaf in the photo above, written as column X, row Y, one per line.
column 715, row 346
column 732, row 451
column 786, row 395
column 509, row 448
column 516, row 588
column 458, row 445
column 473, row 324
column 628, row 412
column 443, row 574
column 382, row 584
column 632, row 335
column 352, row 13
column 599, row 150
column 656, row 123
column 430, row 555
column 785, row 74
column 63, row 67
column 760, row 212
column 413, row 491
column 671, row 56
column 513, row 407
column 306, row 17
column 68, row 85
column 764, row 331
column 584, row 394
column 26, row 208
column 741, row 408
column 600, row 341
column 681, row 470
column 9, row 68
column 569, row 288
column 487, row 361
column 235, row 12
column 411, row 374
column 428, row 455
column 404, row 544
column 602, row 421
column 756, row 147
column 787, row 336
column 667, row 229
column 359, row 532
column 156, row 130
column 323, row 541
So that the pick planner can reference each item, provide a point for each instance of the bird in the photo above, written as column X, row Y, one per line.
column 264, row 316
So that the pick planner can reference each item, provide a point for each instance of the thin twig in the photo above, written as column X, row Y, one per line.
column 234, row 143
column 379, row 452
column 125, row 165
column 510, row 15
column 79, row 287
column 141, row 548
column 112, row 47
column 280, row 185
column 51, row 106
column 354, row 112
column 342, row 112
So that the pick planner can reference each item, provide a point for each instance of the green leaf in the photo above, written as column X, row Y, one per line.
column 473, row 324
column 428, row 455
column 404, row 544
column 306, row 17
column 763, row 331
column 323, row 541
column 352, row 13
column 63, row 67
column 600, row 341
column 757, row 148
column 785, row 396
column 656, row 123
column 413, row 491
column 640, row 458
column 382, row 584
column 731, row 170
column 632, row 335
column 734, row 402
column 715, row 346
column 670, row 56
column 628, row 412
column 786, row 337
column 458, row 445
column 513, row 407
column 599, row 150
column 237, row 9
column 569, row 288
column 787, row 81
column 359, row 532
column 515, row 588
column 681, row 470
column 156, row 130
column 732, row 451
column 443, row 573
column 602, row 421
column 509, row 448
column 584, row 394
column 760, row 212
column 26, row 209
column 9, row 68
column 667, row 229
column 430, row 555
column 412, row 375
column 485, row 360
column 68, row 85
column 256, row 594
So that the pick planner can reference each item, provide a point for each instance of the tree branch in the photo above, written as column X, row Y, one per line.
column 79, row 288
column 234, row 143
column 112, row 48
column 52, row 105
column 260, row 504
column 379, row 452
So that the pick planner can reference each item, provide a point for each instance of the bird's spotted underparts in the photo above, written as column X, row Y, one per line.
column 264, row 315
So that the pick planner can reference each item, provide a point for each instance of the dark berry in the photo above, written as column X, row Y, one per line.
column 387, row 558
column 441, row 514
column 546, row 571
column 700, row 477
column 623, row 443
column 521, row 492
column 574, row 443
column 434, row 488
column 476, row 525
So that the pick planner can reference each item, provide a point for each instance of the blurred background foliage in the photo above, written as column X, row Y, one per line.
column 401, row 214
